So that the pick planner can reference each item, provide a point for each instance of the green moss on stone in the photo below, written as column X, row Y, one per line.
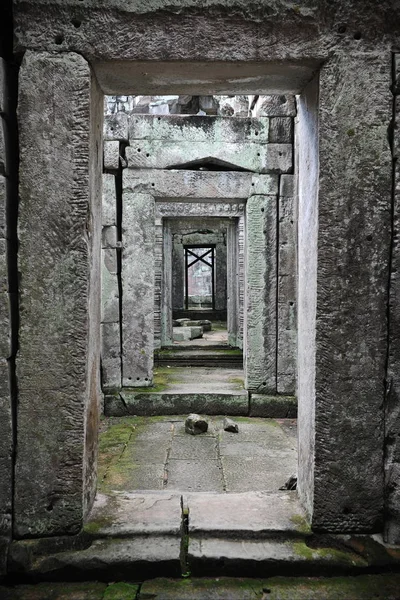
column 121, row 591
column 301, row 524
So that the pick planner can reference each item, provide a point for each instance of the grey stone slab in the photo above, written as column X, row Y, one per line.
column 111, row 155
column 255, row 558
column 128, row 513
column 193, row 446
column 159, row 154
column 195, row 475
column 109, row 203
column 182, row 334
column 116, row 127
column 3, row 86
column 275, row 407
column 198, row 184
column 206, row 589
column 4, row 168
column 200, row 209
column 286, row 186
column 276, row 106
column 3, row 205
column 59, row 256
column 149, row 448
column 134, row 559
column 111, row 355
column 246, row 515
column 281, row 130
column 5, row 314
column 138, row 281
column 268, row 473
column 6, row 455
column 261, row 259
column 345, row 289
column 109, row 237
column 110, row 303
column 171, row 404
column 132, row 476
column 195, row 128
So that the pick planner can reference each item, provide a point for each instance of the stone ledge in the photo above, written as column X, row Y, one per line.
column 149, row 404
column 273, row 407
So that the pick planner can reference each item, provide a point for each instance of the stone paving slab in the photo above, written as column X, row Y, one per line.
column 127, row 513
column 221, row 556
column 261, row 473
column 116, row 559
column 195, row 475
column 250, row 514
column 198, row 446
column 363, row 587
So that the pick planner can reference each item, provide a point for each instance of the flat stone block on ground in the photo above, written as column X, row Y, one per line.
column 185, row 447
column 274, row 407
column 126, row 513
column 185, row 333
column 247, row 515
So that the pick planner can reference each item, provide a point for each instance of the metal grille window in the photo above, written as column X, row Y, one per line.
column 200, row 277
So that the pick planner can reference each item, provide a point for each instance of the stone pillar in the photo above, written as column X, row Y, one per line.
column 241, row 233
column 232, row 284
column 138, row 241
column 344, row 194
column 220, row 273
column 260, row 307
column 392, row 408
column 287, row 277
column 166, row 289
column 59, row 261
column 178, row 274
column 158, row 283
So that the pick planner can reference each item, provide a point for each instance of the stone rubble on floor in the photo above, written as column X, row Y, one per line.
column 195, row 424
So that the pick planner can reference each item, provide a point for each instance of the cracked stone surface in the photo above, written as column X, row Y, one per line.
column 155, row 453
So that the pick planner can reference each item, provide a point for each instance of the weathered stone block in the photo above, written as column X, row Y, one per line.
column 59, row 252
column 275, row 106
column 110, row 260
column 3, row 205
column 273, row 407
column 160, row 154
column 280, row 158
column 111, row 355
column 194, row 129
column 6, row 453
column 3, row 147
column 138, row 281
column 185, row 333
column 5, row 324
column 286, row 186
column 261, row 260
column 109, row 201
column 116, row 127
column 3, row 86
column 281, row 130
column 109, row 237
column 110, row 309
column 111, row 156
column 198, row 184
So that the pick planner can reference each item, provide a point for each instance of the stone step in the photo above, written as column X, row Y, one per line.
column 200, row 360
column 149, row 404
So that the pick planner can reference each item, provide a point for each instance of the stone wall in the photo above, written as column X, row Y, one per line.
column 8, row 278
column 149, row 145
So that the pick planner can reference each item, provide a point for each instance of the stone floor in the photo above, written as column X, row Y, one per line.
column 155, row 453
column 363, row 587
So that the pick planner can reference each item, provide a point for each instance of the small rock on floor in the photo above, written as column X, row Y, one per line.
column 230, row 425
column 195, row 424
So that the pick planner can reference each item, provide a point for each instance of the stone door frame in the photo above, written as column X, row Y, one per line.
column 342, row 287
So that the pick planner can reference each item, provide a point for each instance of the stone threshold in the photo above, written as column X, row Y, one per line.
column 128, row 402
column 143, row 535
